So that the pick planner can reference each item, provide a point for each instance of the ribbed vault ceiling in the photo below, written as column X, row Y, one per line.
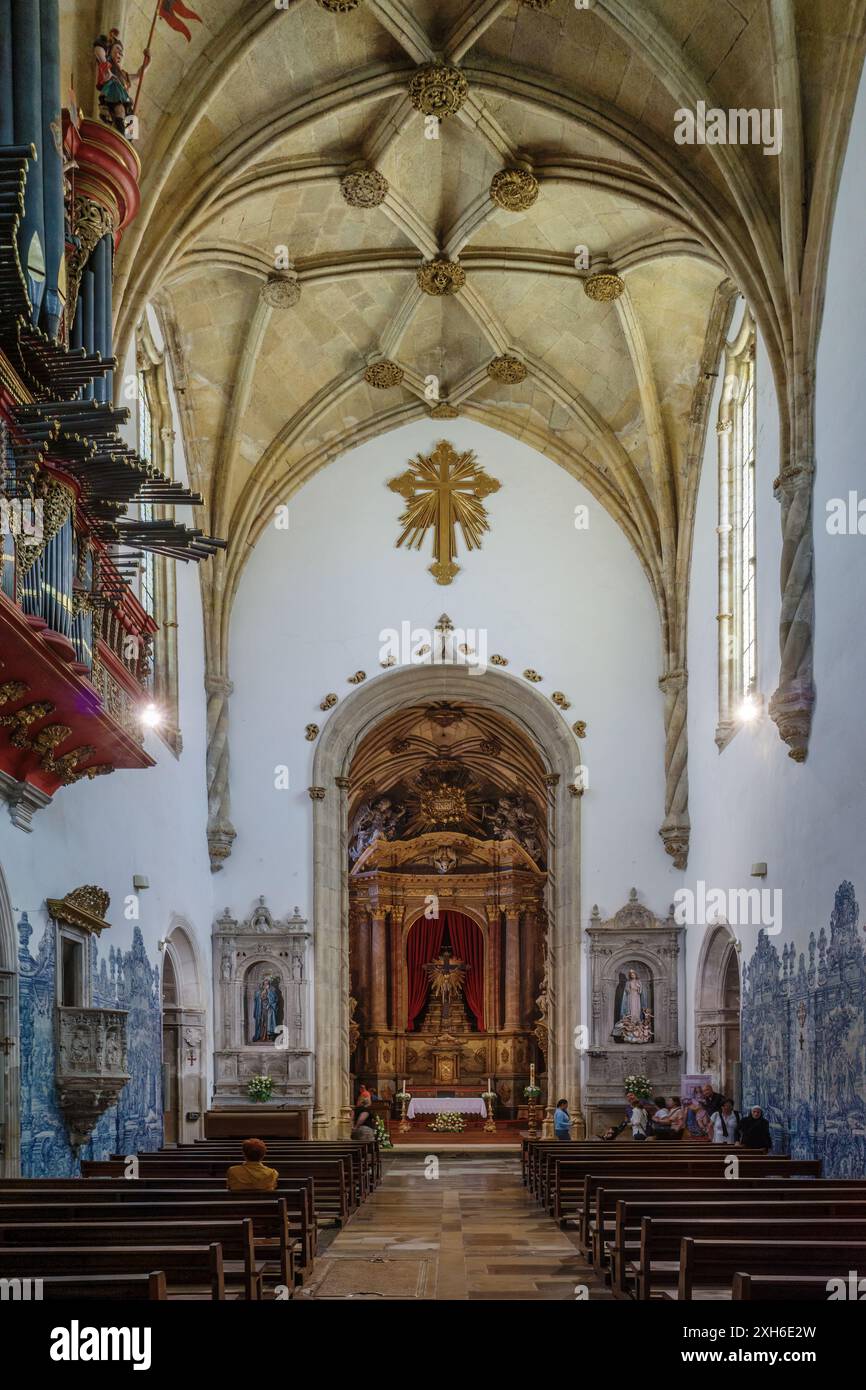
column 247, row 131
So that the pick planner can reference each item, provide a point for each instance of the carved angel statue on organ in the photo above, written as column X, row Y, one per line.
column 113, row 82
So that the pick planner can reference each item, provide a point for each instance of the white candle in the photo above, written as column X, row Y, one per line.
column 532, row 1073
column 489, row 1087
column 403, row 1087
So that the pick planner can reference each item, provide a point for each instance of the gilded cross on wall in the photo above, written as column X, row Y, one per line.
column 444, row 490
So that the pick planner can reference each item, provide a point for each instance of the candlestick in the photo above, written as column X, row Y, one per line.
column 532, row 1073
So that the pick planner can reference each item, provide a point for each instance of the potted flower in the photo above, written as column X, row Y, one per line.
column 382, row 1134
column 448, row 1122
column 638, row 1085
column 531, row 1092
column 260, row 1088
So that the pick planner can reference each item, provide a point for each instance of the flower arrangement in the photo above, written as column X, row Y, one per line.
column 448, row 1122
column 531, row 1092
column 382, row 1134
column 489, row 1095
column 639, row 1085
column 403, row 1095
column 260, row 1088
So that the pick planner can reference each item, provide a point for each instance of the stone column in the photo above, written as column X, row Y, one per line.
column 512, row 969
column 791, row 705
column 494, row 961
column 675, row 828
column 362, row 961
column 379, row 970
column 220, row 831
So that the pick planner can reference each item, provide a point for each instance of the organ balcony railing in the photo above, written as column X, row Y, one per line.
column 78, row 508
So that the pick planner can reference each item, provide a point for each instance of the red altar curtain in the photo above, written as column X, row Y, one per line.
column 423, row 944
column 467, row 943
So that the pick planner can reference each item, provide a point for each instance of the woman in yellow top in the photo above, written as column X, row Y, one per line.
column 252, row 1173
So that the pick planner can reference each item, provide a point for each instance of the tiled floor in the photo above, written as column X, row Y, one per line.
column 452, row 1226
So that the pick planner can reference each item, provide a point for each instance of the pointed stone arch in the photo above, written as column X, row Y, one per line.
column 184, row 1035
column 544, row 726
column 718, row 1000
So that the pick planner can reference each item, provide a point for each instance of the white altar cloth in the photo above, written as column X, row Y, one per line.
column 438, row 1105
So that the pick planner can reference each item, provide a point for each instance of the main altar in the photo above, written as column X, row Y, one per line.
column 447, row 942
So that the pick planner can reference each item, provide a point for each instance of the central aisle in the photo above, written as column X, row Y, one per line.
column 451, row 1226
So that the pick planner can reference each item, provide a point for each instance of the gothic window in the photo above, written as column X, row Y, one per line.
column 739, row 699
column 157, row 591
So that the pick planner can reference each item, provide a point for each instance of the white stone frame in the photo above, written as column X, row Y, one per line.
column 10, row 1161
column 739, row 360
column 367, row 706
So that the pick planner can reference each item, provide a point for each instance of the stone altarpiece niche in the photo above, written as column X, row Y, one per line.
column 634, row 968
column 262, row 1010
column 447, row 878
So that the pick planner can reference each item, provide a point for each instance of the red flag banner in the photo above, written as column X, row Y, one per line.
column 174, row 13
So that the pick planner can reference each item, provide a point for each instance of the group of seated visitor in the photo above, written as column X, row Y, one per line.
column 708, row 1117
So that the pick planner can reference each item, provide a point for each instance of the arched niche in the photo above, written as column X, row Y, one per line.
column 717, row 1008
column 246, row 955
column 10, row 1131
column 634, row 939
column 545, row 728
column 184, row 1036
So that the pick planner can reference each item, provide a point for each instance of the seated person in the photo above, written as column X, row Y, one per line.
column 252, row 1173
column 725, row 1124
column 755, row 1130
column 363, row 1123
column 676, row 1116
column 660, row 1124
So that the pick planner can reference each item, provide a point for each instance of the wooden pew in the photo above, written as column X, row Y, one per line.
column 332, row 1177
column 269, row 1219
column 708, row 1267
column 130, row 1288
column 568, row 1184
column 780, row 1288
column 298, row 1199
column 186, row 1267
column 730, row 1214
column 601, row 1194
column 659, row 1263
column 235, row 1239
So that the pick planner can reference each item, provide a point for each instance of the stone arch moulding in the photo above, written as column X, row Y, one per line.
column 544, row 726
column 185, row 1030
column 717, row 1023
column 10, row 1119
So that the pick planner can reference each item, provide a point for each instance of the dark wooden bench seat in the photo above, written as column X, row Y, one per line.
column 602, row 1193
column 707, row 1267
column 120, row 1191
column 195, row 1270
column 128, row 1288
column 781, row 1288
column 269, row 1218
column 731, row 1215
column 235, row 1239
column 661, row 1244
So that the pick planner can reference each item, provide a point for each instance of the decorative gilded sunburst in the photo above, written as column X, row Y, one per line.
column 443, row 490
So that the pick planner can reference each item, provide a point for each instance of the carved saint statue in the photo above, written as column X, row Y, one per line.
column 447, row 978
column 633, row 1019
column 267, row 1010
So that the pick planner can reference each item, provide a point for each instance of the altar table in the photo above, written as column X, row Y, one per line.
column 438, row 1105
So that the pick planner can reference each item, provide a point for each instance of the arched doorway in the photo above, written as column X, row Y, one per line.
column 447, row 861
column 183, row 1039
column 10, row 1138
column 717, row 1010
column 334, row 797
